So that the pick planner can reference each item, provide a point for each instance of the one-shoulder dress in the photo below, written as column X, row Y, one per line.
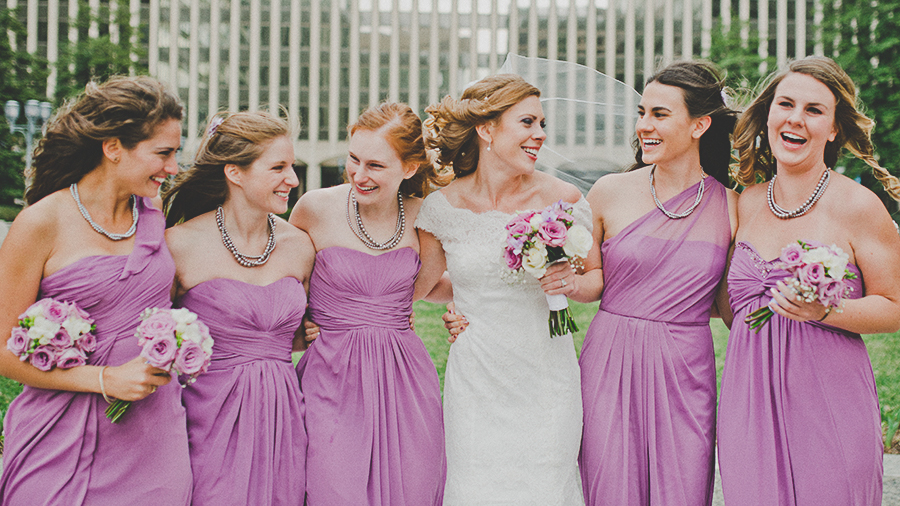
column 798, row 419
column 244, row 415
column 60, row 448
column 372, row 395
column 512, row 397
column 648, row 371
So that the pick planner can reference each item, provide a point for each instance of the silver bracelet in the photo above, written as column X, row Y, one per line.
column 102, row 388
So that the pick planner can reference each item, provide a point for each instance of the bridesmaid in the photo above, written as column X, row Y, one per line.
column 799, row 420
column 648, row 371
column 243, row 271
column 91, row 235
column 371, row 390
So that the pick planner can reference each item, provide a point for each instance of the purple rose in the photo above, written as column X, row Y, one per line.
column 71, row 357
column 55, row 311
column 61, row 339
column 44, row 358
column 18, row 343
column 190, row 358
column 516, row 243
column 156, row 325
column 513, row 260
column 562, row 205
column 160, row 351
column 87, row 343
column 811, row 275
column 831, row 292
column 792, row 256
column 552, row 233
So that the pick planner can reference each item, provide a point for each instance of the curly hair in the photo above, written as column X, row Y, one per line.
column 854, row 129
column 124, row 108
column 703, row 91
column 404, row 134
column 230, row 138
column 450, row 129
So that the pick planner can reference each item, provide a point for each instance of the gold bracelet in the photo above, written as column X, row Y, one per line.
column 827, row 312
column 102, row 389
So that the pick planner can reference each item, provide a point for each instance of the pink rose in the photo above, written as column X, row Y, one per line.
column 18, row 343
column 160, row 351
column 87, row 343
column 811, row 275
column 156, row 325
column 61, row 339
column 190, row 358
column 831, row 292
column 55, row 311
column 552, row 233
column 71, row 357
column 513, row 261
column 521, row 218
column 81, row 313
column 44, row 358
column 518, row 228
column 791, row 256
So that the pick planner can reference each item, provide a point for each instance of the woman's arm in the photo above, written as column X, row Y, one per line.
column 429, row 282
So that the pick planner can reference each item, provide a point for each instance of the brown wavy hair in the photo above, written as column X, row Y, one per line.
column 124, row 108
column 703, row 90
column 404, row 134
column 230, row 138
column 450, row 129
column 854, row 129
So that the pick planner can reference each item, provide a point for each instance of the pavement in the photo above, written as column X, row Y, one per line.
column 890, row 483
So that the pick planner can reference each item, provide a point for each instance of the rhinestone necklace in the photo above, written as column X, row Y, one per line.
column 73, row 189
column 360, row 229
column 784, row 214
column 246, row 260
column 678, row 216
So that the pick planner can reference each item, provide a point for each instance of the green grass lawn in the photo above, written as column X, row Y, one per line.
column 884, row 350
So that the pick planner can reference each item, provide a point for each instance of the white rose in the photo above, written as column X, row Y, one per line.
column 535, row 260
column 207, row 345
column 43, row 330
column 34, row 311
column 837, row 263
column 191, row 333
column 579, row 242
column 816, row 256
column 183, row 316
column 75, row 326
column 536, row 221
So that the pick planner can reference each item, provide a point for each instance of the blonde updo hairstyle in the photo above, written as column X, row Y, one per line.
column 450, row 129
column 403, row 131
column 854, row 129
column 231, row 138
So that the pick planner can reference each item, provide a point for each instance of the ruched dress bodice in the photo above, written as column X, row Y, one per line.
column 59, row 446
column 373, row 404
column 798, row 419
column 245, row 414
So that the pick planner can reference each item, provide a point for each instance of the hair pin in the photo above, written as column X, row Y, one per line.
column 214, row 125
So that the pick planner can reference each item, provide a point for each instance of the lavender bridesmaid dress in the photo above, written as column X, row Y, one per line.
column 648, row 371
column 798, row 420
column 245, row 420
column 373, row 401
column 60, row 448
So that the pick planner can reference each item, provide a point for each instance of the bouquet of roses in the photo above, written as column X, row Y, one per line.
column 53, row 334
column 536, row 239
column 817, row 273
column 173, row 340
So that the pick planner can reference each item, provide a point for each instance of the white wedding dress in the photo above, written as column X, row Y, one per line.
column 512, row 395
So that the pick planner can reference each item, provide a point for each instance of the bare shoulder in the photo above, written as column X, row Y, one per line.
column 554, row 189
column 43, row 219
column 411, row 206
column 859, row 207
column 614, row 186
column 291, row 236
column 752, row 197
column 182, row 237
column 316, row 203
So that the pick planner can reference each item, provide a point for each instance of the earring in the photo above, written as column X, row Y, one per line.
column 115, row 160
column 489, row 144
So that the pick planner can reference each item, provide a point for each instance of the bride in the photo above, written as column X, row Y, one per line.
column 512, row 401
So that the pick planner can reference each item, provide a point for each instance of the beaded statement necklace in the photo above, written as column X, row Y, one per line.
column 73, row 189
column 670, row 214
column 360, row 229
column 246, row 260
column 784, row 214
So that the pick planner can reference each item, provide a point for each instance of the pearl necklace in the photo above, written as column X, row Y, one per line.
column 678, row 216
column 73, row 189
column 364, row 236
column 246, row 260
column 784, row 214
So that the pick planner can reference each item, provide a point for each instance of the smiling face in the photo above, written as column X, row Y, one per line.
column 665, row 129
column 801, row 122
column 269, row 179
column 374, row 168
column 147, row 165
column 518, row 135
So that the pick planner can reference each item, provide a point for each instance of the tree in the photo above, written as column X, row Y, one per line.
column 23, row 76
column 865, row 41
column 740, row 58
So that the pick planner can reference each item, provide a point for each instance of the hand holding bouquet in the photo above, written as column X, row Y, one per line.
column 53, row 334
column 817, row 274
column 172, row 340
column 536, row 239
